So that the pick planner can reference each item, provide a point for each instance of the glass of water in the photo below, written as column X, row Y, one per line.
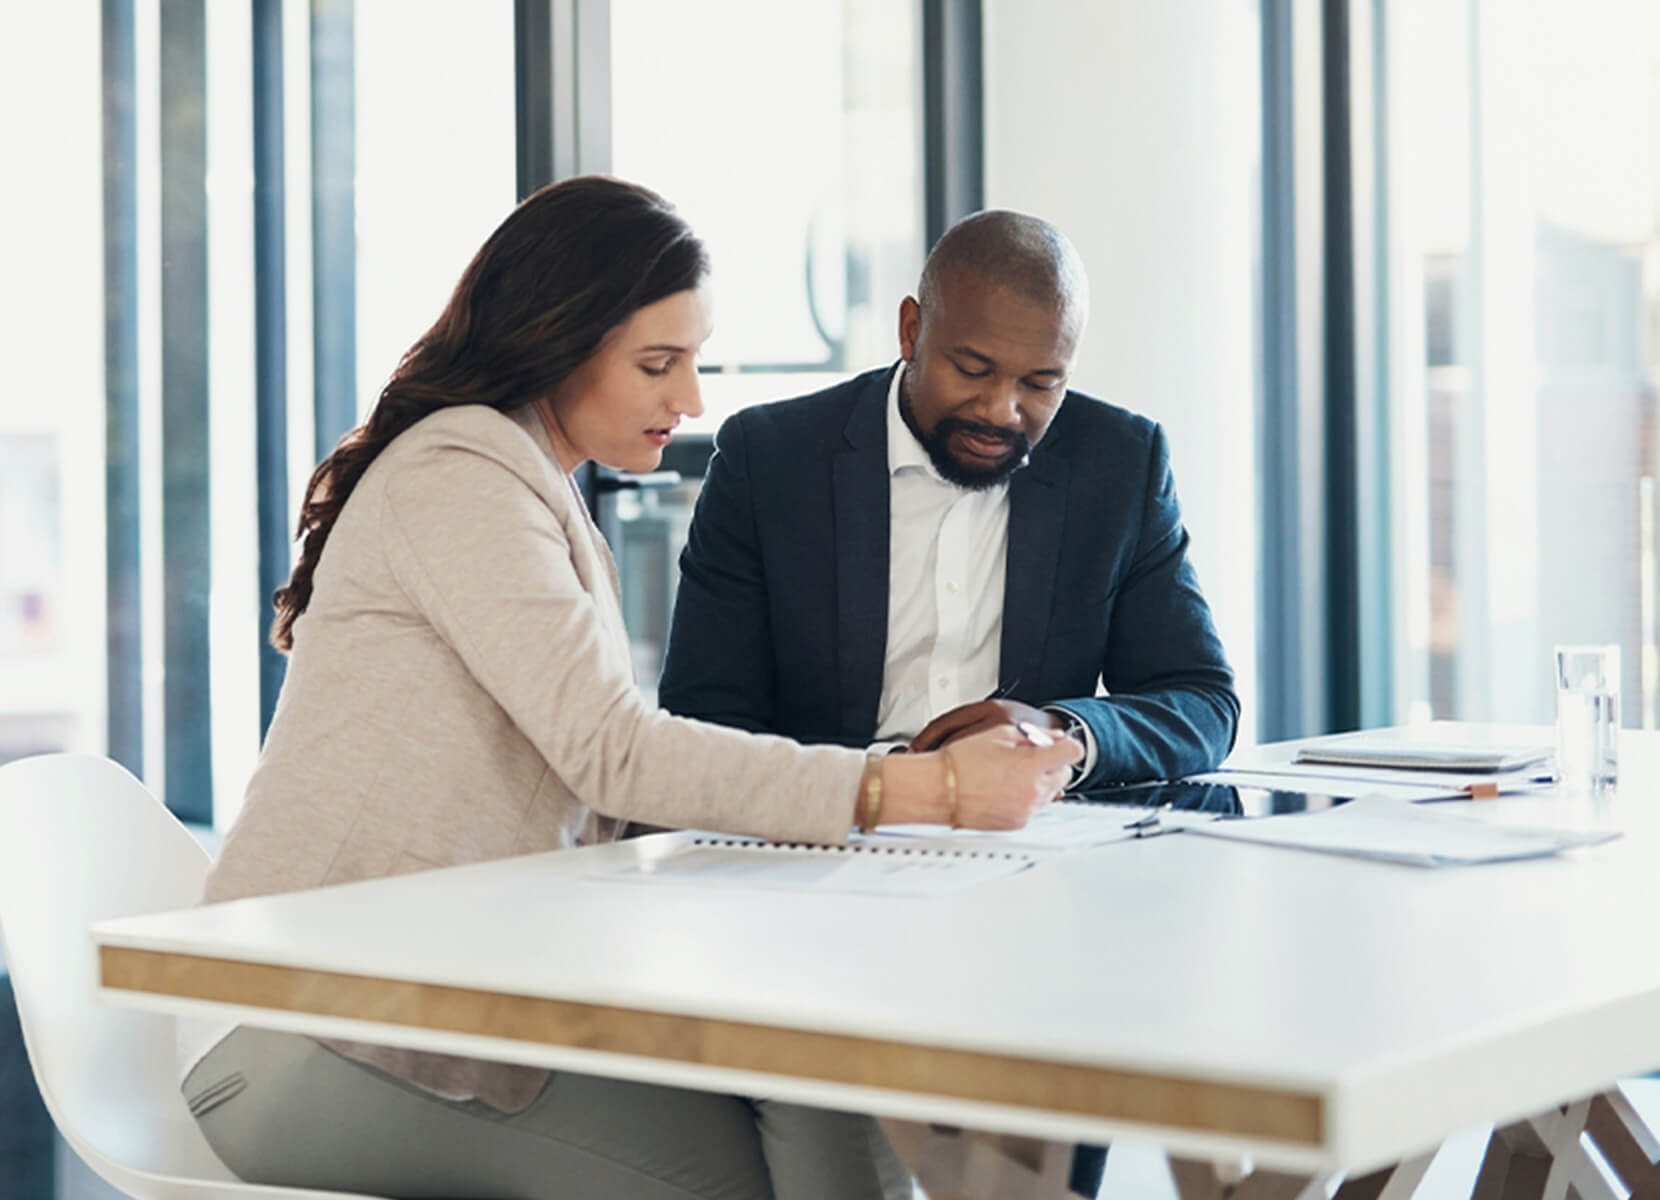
column 1587, row 716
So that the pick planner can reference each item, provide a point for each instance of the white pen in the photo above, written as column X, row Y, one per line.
column 1034, row 735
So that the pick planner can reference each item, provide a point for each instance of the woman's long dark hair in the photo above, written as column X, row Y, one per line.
column 568, row 265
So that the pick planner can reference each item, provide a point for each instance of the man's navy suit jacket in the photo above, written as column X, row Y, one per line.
column 781, row 620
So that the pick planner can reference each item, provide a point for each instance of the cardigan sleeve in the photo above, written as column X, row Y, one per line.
column 472, row 536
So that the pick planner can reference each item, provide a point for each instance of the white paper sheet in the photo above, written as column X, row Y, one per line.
column 1392, row 830
column 1055, row 828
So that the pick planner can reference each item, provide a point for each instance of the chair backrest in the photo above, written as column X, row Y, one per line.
column 82, row 841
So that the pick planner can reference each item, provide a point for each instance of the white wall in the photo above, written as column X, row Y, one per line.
column 1134, row 128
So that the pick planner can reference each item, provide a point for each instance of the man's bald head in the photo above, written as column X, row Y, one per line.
column 1025, row 254
column 988, row 343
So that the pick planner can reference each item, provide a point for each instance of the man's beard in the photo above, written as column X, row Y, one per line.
column 953, row 469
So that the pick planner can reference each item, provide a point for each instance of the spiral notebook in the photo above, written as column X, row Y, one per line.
column 889, row 869
column 904, row 860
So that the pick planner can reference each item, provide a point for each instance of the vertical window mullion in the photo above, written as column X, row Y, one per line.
column 333, row 221
column 124, row 636
column 562, row 117
column 1342, row 534
column 270, row 339
column 953, row 136
column 185, row 445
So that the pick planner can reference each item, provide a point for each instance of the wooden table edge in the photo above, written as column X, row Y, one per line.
column 1293, row 1117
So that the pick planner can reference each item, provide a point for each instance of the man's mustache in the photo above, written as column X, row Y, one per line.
column 1009, row 437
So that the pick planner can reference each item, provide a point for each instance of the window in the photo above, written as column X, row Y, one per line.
column 51, row 337
column 434, row 163
column 1526, row 217
column 131, row 480
column 790, row 137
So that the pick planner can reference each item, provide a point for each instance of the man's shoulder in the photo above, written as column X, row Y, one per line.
column 1091, row 425
column 811, row 418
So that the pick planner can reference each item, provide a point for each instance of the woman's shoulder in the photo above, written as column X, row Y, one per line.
column 467, row 438
column 475, row 427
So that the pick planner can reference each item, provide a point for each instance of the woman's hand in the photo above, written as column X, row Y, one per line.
column 1002, row 779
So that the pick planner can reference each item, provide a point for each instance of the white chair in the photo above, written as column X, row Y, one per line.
column 82, row 841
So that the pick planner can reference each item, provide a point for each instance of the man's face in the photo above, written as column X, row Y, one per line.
column 985, row 374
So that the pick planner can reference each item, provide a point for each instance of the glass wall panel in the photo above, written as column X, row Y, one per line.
column 1526, row 206
column 435, row 162
column 166, row 191
column 790, row 137
column 51, row 408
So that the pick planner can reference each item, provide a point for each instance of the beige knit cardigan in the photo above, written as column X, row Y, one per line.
column 461, row 689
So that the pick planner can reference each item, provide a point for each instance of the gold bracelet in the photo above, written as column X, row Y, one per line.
column 950, row 786
column 870, row 791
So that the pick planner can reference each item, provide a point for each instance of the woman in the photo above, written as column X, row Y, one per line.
column 459, row 689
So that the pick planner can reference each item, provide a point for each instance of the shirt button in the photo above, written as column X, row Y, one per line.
column 950, row 585
column 945, row 681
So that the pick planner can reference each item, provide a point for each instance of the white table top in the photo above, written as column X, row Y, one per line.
column 1411, row 1003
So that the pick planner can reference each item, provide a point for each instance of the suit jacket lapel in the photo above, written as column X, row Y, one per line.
column 1037, row 511
column 861, row 560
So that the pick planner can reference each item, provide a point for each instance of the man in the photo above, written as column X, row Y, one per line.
column 955, row 542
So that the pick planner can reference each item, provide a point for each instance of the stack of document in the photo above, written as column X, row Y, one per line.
column 1374, row 750
column 1391, row 830
column 1416, row 764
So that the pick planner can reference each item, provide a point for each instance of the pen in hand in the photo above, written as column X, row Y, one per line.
column 1033, row 735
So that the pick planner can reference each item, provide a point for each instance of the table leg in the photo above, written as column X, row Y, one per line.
column 1196, row 1179
column 949, row 1163
column 1543, row 1157
column 1278, row 1185
column 1396, row 1182
column 1628, row 1145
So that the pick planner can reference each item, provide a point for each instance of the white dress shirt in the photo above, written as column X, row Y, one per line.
column 947, row 554
column 947, row 548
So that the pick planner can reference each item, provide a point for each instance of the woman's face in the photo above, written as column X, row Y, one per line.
column 620, row 407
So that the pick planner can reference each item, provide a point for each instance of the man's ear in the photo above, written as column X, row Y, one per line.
column 910, row 327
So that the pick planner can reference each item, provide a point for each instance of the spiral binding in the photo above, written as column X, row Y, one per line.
column 867, row 848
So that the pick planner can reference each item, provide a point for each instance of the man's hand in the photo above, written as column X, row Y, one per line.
column 969, row 719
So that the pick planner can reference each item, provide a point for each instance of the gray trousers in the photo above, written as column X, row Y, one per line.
column 281, row 1109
